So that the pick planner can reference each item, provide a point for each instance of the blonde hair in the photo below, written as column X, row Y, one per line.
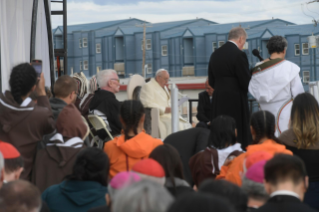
column 305, row 120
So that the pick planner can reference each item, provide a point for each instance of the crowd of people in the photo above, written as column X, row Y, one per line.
column 229, row 163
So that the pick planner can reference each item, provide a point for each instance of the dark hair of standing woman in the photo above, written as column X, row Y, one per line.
column 222, row 132
column 263, row 122
column 22, row 78
column 169, row 158
column 91, row 164
column 131, row 113
column 305, row 120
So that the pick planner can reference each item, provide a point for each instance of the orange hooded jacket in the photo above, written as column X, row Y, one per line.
column 233, row 171
column 124, row 154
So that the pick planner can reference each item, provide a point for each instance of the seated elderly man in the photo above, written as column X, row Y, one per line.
column 104, row 102
column 155, row 94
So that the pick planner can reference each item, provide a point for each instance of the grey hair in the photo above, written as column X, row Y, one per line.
column 143, row 196
column 277, row 44
column 236, row 33
column 1, row 163
column 159, row 71
column 254, row 190
column 103, row 77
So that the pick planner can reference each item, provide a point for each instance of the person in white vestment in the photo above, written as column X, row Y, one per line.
column 155, row 94
column 275, row 82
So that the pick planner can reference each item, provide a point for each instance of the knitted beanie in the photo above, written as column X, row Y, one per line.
column 256, row 172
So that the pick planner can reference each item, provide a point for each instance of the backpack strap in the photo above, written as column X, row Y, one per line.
column 235, row 153
column 214, row 156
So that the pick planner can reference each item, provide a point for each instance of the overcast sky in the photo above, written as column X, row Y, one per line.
column 155, row 11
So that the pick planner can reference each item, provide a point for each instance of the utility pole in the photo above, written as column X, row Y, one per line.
column 144, row 45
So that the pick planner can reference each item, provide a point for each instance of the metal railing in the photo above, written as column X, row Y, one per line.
column 252, row 103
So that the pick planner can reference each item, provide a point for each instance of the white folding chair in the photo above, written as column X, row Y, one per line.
column 88, row 132
column 98, row 124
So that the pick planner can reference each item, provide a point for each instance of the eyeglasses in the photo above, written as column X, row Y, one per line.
column 118, row 80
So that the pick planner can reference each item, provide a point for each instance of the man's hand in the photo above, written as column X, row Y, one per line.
column 40, row 89
column 168, row 110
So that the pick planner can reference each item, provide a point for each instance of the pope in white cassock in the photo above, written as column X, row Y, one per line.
column 275, row 82
column 155, row 94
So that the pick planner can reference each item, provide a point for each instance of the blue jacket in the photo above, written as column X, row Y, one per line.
column 78, row 196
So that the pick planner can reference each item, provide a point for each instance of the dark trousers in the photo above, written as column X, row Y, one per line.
column 312, row 194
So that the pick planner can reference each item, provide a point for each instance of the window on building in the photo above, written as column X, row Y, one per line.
column 149, row 68
column 164, row 50
column 81, row 66
column 305, row 49
column 84, row 42
column 98, row 48
column 297, row 49
column 148, row 44
column 71, row 71
column 305, row 76
column 214, row 45
column 98, row 69
column 220, row 43
column 85, row 65
column 80, row 43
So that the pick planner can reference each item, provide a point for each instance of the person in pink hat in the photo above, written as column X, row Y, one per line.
column 254, row 187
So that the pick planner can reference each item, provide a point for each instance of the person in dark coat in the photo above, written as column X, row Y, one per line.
column 229, row 75
column 65, row 89
column 85, row 188
column 55, row 161
column 200, row 202
column 237, row 198
column 104, row 102
column 188, row 143
column 168, row 157
column 204, row 107
column 286, row 182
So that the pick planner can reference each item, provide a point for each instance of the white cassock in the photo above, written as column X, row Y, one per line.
column 154, row 96
column 275, row 84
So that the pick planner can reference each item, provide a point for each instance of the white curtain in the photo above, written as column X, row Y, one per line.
column 15, row 35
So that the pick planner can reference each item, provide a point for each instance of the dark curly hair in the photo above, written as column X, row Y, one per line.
column 22, row 78
column 276, row 44
column 91, row 164
column 131, row 113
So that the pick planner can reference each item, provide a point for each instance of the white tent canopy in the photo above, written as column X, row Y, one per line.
column 15, row 37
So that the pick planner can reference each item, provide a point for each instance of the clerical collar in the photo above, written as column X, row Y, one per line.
column 233, row 42
column 284, row 192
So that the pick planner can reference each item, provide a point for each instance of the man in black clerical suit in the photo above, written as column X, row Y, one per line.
column 286, row 182
column 204, row 107
column 229, row 75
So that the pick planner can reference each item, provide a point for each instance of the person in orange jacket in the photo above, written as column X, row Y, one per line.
column 134, row 144
column 263, row 133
